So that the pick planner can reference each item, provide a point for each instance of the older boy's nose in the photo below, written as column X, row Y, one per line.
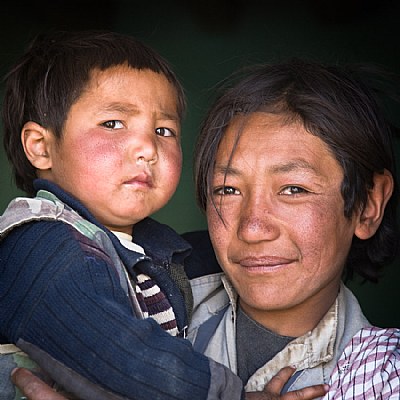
column 257, row 223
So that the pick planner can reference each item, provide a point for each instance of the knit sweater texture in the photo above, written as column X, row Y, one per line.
column 62, row 294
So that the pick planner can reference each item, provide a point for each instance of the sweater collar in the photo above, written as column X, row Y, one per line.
column 160, row 241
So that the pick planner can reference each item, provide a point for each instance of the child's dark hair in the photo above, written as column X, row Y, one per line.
column 51, row 76
column 333, row 104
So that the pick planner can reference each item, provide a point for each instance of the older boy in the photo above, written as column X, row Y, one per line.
column 295, row 170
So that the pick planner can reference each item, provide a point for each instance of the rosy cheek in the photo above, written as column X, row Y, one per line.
column 219, row 234
column 213, row 218
column 177, row 164
column 100, row 152
column 317, row 234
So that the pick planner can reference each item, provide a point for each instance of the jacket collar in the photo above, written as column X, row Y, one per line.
column 305, row 352
column 160, row 242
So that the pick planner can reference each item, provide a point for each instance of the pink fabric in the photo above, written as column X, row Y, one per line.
column 369, row 367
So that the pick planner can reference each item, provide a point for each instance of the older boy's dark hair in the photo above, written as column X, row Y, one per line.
column 51, row 76
column 333, row 104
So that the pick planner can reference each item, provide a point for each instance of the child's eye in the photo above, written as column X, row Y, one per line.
column 165, row 132
column 113, row 124
column 293, row 190
column 225, row 191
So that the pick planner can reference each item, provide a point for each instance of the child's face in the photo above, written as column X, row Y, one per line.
column 285, row 238
column 120, row 153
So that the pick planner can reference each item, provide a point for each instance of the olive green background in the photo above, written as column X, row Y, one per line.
column 205, row 41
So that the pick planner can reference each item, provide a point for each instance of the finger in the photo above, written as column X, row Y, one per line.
column 278, row 381
column 308, row 393
column 33, row 387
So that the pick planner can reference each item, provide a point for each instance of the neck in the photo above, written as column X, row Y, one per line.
column 294, row 321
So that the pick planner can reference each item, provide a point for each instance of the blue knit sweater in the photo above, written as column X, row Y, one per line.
column 61, row 294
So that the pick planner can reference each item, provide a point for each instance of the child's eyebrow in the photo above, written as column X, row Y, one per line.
column 125, row 108
column 128, row 108
column 170, row 116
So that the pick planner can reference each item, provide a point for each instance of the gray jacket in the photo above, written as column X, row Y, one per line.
column 314, row 354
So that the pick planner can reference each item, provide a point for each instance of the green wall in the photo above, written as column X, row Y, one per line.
column 207, row 40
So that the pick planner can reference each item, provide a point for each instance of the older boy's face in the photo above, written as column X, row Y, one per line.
column 120, row 154
column 285, row 237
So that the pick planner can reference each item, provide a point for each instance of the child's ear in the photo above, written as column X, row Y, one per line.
column 36, row 142
column 372, row 214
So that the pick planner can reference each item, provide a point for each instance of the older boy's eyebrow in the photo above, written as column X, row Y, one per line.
column 293, row 165
column 226, row 170
column 285, row 167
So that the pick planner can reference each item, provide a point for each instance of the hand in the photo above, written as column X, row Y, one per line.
column 273, row 388
column 33, row 387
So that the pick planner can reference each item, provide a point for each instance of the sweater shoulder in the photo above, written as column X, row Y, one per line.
column 38, row 242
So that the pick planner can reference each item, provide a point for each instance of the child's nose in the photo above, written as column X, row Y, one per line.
column 145, row 149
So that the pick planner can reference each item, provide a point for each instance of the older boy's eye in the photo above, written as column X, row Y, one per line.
column 292, row 190
column 165, row 132
column 225, row 191
column 113, row 124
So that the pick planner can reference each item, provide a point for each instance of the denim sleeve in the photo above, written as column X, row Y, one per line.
column 224, row 384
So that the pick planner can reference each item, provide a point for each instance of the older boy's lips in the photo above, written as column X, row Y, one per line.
column 264, row 262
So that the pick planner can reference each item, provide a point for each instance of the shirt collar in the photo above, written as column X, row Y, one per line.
column 307, row 351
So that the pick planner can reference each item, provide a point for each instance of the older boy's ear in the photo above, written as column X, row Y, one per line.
column 36, row 142
column 372, row 214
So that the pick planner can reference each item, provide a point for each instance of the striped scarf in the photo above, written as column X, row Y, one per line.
column 154, row 304
column 152, row 300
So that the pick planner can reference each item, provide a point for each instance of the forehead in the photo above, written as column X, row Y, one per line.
column 127, row 85
column 264, row 139
column 119, row 75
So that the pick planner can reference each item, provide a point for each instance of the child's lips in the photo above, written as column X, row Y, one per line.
column 141, row 180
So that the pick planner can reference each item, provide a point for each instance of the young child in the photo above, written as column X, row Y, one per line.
column 92, row 129
column 91, row 288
